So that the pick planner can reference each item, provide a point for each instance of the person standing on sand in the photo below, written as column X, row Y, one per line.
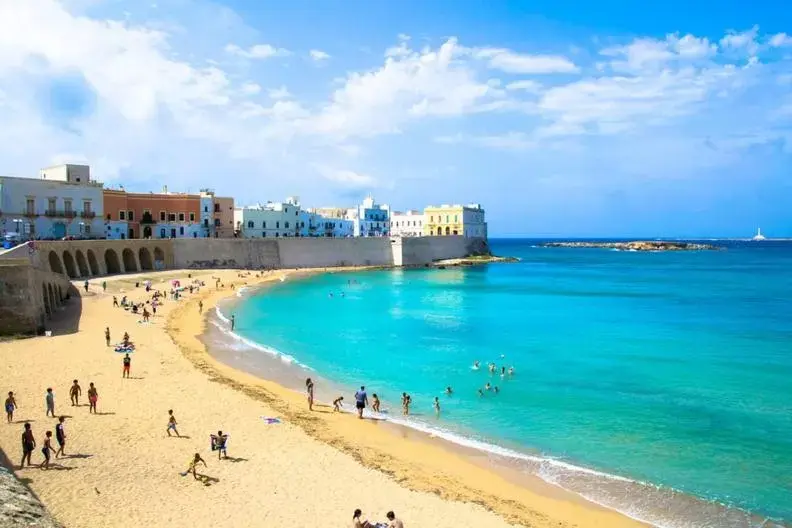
column 50, row 398
column 60, row 436
column 75, row 392
column 86, row 286
column 309, row 388
column 28, row 445
column 219, row 444
column 10, row 405
column 115, row 301
column 93, row 396
column 46, row 450
column 107, row 335
column 361, row 401
column 200, row 307
column 172, row 424
column 104, row 286
column 233, row 322
column 127, row 364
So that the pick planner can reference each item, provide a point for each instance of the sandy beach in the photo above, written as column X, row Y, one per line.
column 311, row 469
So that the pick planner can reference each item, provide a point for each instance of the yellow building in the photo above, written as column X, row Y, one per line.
column 449, row 220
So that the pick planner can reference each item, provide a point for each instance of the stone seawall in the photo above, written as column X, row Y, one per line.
column 19, row 507
column 29, row 296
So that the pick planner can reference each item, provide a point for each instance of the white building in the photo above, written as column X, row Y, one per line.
column 406, row 224
column 370, row 218
column 271, row 220
column 326, row 222
column 63, row 202
column 207, row 213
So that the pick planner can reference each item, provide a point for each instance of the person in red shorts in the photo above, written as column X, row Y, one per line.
column 127, row 364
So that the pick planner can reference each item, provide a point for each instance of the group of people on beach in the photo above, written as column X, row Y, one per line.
column 358, row 522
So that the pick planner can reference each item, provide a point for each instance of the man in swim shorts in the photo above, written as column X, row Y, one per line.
column 50, row 403
column 46, row 450
column 75, row 392
column 361, row 401
column 172, row 424
column 10, row 405
column 219, row 444
column 127, row 364
column 93, row 396
column 60, row 436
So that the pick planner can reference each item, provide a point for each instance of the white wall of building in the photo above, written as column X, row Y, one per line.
column 406, row 224
column 474, row 221
column 207, row 215
column 51, row 208
column 273, row 220
column 371, row 218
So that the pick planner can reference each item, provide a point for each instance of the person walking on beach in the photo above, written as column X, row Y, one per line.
column 107, row 335
column 406, row 401
column 75, row 392
column 115, row 301
column 10, row 405
column 233, row 322
column 46, row 450
column 86, row 286
column 104, row 286
column 50, row 398
column 93, row 396
column 193, row 463
column 200, row 307
column 28, row 445
column 361, row 401
column 437, row 406
column 309, row 388
column 60, row 436
column 127, row 364
column 376, row 405
column 219, row 444
column 172, row 424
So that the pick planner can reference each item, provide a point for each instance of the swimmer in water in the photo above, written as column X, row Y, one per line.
column 511, row 371
column 330, row 295
column 492, row 368
column 488, row 386
column 481, row 393
column 437, row 406
column 503, row 371
column 449, row 391
column 475, row 365
column 496, row 389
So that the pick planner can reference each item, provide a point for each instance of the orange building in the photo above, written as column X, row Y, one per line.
column 150, row 215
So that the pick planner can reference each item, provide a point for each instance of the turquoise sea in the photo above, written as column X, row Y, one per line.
column 659, row 384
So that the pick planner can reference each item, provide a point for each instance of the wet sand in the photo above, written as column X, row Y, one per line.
column 312, row 469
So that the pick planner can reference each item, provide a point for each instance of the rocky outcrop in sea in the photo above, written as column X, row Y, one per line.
column 640, row 245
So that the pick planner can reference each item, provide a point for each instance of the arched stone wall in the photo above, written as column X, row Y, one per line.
column 144, row 255
column 130, row 263
column 82, row 265
column 112, row 264
column 55, row 263
column 68, row 263
column 92, row 263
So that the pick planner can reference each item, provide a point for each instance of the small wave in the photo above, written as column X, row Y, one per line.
column 241, row 291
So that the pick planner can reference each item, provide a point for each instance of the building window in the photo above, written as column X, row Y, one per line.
column 263, row 225
column 217, row 208
column 181, row 230
column 286, row 225
column 277, row 225
column 206, row 208
column 217, row 222
column 108, row 216
column 250, row 224
column 276, row 235
column 455, row 220
column 192, row 217
column 181, row 217
column 67, row 206
column 431, row 218
column 171, row 217
column 122, row 215
column 31, row 206
column 162, row 218
column 446, row 219
column 87, row 229
column 51, row 206
column 87, row 207
column 131, row 216
column 206, row 222
column 162, row 233
column 263, row 234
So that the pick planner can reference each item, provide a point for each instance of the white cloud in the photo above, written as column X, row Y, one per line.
column 780, row 40
column 509, row 141
column 279, row 93
column 258, row 51
column 512, row 62
column 741, row 41
column 251, row 88
column 319, row 55
column 526, row 85
column 346, row 177
column 644, row 54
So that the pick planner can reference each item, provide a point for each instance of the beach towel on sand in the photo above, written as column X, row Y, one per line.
column 269, row 420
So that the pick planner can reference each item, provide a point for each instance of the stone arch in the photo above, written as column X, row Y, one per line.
column 55, row 262
column 159, row 259
column 92, row 264
column 130, row 264
column 71, row 267
column 111, row 261
column 144, row 255
column 439, row 231
column 82, row 265
column 60, row 295
column 448, row 230
column 52, row 301
column 45, row 299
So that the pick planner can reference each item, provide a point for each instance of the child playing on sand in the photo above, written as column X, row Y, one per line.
column 193, row 463
column 60, row 436
column 50, row 398
column 219, row 444
column 172, row 424
column 46, row 450
column 10, row 405
column 28, row 445
column 337, row 403
column 115, row 301
column 75, row 392
column 376, row 405
column 127, row 364
column 93, row 395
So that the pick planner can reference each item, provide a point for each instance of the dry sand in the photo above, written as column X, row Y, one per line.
column 313, row 469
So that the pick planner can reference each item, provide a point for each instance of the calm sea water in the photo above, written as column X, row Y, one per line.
column 643, row 380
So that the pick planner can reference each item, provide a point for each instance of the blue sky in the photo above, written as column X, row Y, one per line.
column 562, row 119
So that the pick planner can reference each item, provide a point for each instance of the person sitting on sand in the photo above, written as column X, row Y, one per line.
column 172, row 424
column 194, row 461
column 50, row 399
column 146, row 315
column 393, row 522
column 376, row 405
column 357, row 522
column 219, row 444
column 60, row 436
column 126, row 339
column 10, row 405
column 127, row 365
column 134, row 308
column 337, row 403
column 93, row 396
column 75, row 392
column 46, row 450
column 107, row 335
column 28, row 445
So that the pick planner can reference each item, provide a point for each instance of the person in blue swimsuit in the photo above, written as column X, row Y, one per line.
column 10, row 405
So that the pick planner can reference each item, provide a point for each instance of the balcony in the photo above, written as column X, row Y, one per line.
column 87, row 214
column 52, row 213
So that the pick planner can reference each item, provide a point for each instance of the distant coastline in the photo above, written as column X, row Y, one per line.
column 638, row 245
